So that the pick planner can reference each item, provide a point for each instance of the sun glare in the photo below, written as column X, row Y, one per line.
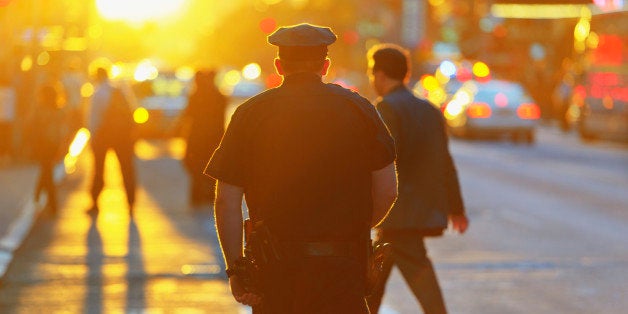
column 137, row 10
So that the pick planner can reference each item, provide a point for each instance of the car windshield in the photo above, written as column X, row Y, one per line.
column 488, row 92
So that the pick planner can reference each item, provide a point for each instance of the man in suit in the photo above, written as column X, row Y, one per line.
column 429, row 195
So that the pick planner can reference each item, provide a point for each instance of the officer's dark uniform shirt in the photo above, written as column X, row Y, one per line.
column 304, row 152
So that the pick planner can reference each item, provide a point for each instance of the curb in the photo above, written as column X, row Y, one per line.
column 17, row 232
column 19, row 229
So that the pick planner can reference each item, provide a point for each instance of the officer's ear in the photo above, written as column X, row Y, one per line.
column 326, row 65
column 278, row 67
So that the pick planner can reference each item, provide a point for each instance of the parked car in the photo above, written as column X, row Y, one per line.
column 601, row 118
column 492, row 108
column 160, row 103
column 242, row 92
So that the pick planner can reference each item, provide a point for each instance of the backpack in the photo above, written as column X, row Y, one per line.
column 117, row 118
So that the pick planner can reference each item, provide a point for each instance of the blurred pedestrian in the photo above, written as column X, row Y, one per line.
column 205, row 114
column 48, row 125
column 72, row 80
column 429, row 194
column 315, row 163
column 112, row 127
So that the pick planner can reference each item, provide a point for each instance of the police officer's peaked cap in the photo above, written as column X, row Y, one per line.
column 304, row 35
column 302, row 42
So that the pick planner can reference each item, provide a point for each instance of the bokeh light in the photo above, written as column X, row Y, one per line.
column 268, row 25
column 447, row 68
column 251, row 71
column 184, row 73
column 145, row 71
column 351, row 37
column 593, row 40
column 137, row 10
column 140, row 115
column 436, row 2
column 429, row 82
column 441, row 78
column 87, row 90
column 501, row 100
column 116, row 71
column 480, row 69
column 581, row 31
column 232, row 77
column 43, row 58
column 27, row 63
column 81, row 138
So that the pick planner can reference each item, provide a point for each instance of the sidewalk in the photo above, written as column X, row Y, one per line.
column 17, row 209
column 164, row 260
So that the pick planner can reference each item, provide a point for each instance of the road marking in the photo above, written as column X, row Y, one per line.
column 5, row 259
column 19, row 228
column 387, row 310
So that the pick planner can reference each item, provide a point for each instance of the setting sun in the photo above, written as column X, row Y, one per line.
column 137, row 10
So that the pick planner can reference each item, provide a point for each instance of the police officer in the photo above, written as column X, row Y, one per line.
column 429, row 194
column 315, row 162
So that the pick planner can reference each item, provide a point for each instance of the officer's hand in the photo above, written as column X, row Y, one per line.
column 459, row 223
column 240, row 294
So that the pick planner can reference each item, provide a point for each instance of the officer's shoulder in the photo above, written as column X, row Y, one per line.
column 348, row 94
column 260, row 98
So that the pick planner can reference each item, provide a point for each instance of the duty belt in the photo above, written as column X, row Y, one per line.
column 325, row 249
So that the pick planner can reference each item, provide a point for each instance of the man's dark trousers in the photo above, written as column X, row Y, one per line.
column 410, row 256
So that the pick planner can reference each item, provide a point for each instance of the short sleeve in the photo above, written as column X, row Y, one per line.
column 381, row 144
column 228, row 163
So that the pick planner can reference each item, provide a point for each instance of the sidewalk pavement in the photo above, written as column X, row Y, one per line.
column 164, row 260
column 18, row 210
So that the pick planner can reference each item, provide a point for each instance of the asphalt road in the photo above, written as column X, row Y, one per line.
column 549, row 230
column 548, row 235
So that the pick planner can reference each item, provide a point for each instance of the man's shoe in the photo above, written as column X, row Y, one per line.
column 93, row 211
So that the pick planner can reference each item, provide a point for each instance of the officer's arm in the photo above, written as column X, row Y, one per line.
column 228, row 213
column 384, row 191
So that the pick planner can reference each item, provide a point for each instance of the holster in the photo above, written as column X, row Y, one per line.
column 260, row 245
column 249, row 273
column 379, row 260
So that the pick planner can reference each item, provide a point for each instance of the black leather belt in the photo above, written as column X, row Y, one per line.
column 328, row 249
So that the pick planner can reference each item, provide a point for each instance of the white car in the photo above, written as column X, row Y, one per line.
column 490, row 108
column 161, row 102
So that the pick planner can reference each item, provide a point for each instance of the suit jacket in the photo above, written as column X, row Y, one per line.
column 428, row 182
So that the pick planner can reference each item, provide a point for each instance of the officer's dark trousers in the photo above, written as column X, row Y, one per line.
column 315, row 285
column 410, row 256
column 125, row 154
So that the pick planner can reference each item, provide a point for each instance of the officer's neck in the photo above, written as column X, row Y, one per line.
column 302, row 73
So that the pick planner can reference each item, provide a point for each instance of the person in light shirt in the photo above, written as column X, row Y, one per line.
column 112, row 127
